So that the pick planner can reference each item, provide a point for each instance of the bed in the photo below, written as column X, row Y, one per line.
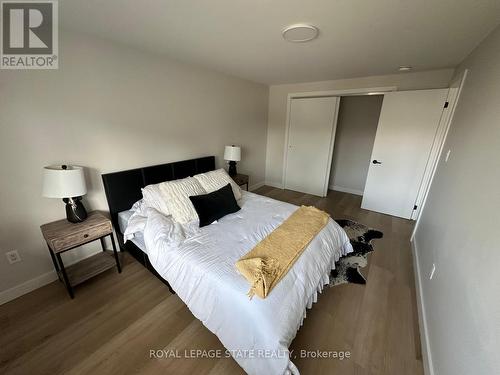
column 201, row 269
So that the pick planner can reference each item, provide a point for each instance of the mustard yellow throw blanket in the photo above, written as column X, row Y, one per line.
column 266, row 264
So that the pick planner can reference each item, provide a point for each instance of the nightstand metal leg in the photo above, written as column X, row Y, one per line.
column 103, row 244
column 65, row 276
column 56, row 266
column 116, row 253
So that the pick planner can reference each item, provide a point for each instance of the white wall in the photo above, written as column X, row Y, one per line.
column 356, row 128
column 278, row 104
column 458, row 230
column 110, row 108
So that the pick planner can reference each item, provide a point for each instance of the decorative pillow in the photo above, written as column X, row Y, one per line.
column 214, row 180
column 214, row 205
column 153, row 198
column 176, row 194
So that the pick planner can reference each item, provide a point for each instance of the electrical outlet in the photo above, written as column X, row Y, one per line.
column 432, row 271
column 13, row 256
column 447, row 156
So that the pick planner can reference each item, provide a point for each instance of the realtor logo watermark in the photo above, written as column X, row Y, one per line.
column 29, row 35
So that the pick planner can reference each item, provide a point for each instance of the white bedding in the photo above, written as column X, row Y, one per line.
column 124, row 221
column 201, row 269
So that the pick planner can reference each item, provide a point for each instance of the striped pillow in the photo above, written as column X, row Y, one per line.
column 152, row 197
column 176, row 194
column 214, row 180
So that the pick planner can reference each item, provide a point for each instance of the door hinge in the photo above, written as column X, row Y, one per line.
column 446, row 104
column 414, row 207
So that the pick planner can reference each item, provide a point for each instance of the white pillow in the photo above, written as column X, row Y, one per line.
column 214, row 180
column 152, row 197
column 176, row 194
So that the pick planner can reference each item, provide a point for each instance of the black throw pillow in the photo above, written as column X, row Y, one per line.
column 214, row 205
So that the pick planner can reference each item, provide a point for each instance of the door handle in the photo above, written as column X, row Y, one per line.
column 376, row 162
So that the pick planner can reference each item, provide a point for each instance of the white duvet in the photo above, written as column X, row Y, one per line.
column 200, row 267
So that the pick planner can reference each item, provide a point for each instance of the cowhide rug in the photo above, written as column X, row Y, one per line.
column 347, row 269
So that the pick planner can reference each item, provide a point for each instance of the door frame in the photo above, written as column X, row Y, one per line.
column 441, row 136
column 319, row 94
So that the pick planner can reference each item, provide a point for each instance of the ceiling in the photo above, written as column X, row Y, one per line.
column 243, row 37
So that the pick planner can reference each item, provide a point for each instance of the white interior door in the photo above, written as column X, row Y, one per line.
column 311, row 133
column 405, row 134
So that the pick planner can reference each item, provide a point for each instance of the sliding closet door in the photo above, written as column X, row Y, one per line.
column 405, row 134
column 311, row 133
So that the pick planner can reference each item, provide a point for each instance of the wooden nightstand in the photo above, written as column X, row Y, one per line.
column 241, row 179
column 63, row 236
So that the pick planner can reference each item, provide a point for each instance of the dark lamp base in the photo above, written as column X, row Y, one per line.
column 232, row 168
column 75, row 211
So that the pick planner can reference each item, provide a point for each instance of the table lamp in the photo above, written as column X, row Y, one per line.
column 232, row 154
column 68, row 183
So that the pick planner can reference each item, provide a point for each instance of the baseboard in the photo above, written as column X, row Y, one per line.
column 256, row 186
column 26, row 287
column 422, row 320
column 278, row 185
column 37, row 282
column 345, row 190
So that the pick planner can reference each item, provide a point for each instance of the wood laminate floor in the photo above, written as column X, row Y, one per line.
column 115, row 320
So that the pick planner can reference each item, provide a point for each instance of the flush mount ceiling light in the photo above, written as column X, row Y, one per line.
column 300, row 32
column 405, row 68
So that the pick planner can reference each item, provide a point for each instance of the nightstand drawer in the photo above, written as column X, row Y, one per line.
column 79, row 238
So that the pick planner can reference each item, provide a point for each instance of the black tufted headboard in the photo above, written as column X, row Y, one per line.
column 123, row 188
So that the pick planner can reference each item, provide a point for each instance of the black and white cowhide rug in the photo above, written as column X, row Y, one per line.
column 347, row 268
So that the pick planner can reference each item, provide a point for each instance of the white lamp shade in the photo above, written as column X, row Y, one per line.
column 63, row 183
column 232, row 153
